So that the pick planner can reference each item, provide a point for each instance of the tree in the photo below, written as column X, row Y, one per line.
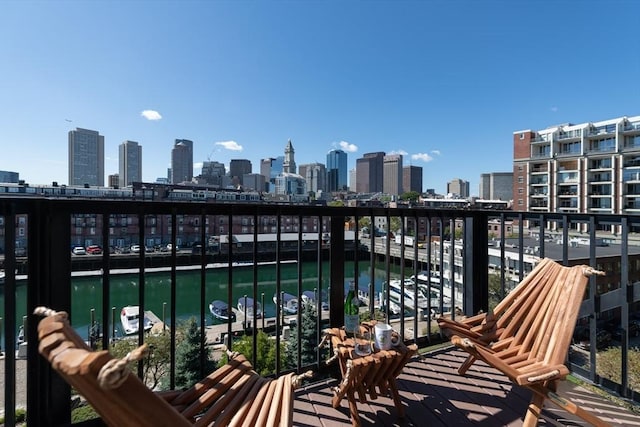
column 155, row 366
column 336, row 203
column 308, row 339
column 395, row 224
column 188, row 368
column 411, row 196
column 266, row 358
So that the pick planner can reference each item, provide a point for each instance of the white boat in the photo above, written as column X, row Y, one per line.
column 221, row 311
column 309, row 297
column 2, row 277
column 130, row 320
column 245, row 306
column 412, row 293
column 289, row 303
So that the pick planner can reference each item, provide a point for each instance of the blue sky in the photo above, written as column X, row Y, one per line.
column 444, row 82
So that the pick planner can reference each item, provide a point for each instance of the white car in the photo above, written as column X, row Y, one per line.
column 135, row 249
column 79, row 250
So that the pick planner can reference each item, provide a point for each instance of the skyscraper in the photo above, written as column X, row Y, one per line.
column 270, row 168
column 392, row 183
column 86, row 157
column 239, row 168
column 336, row 170
column 182, row 161
column 412, row 179
column 369, row 173
column 315, row 175
column 458, row 187
column 130, row 163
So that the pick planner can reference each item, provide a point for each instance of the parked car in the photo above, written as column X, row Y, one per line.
column 582, row 338
column 79, row 250
column 94, row 250
column 135, row 249
column 634, row 330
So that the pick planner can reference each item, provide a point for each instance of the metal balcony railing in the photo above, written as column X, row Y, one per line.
column 327, row 248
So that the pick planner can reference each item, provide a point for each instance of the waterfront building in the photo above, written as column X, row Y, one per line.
column 496, row 186
column 370, row 172
column 458, row 187
column 293, row 186
column 8, row 176
column 182, row 161
column 591, row 167
column 336, row 170
column 86, row 157
column 130, row 162
column 412, row 179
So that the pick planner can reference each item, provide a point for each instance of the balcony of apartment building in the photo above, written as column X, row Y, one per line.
column 631, row 126
column 178, row 285
column 601, row 145
column 568, row 149
column 607, row 129
column 631, row 142
column 541, row 151
column 575, row 134
column 539, row 168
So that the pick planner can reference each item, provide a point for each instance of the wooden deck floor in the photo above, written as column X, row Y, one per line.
column 435, row 395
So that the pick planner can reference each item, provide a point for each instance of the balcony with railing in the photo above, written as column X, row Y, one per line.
column 311, row 248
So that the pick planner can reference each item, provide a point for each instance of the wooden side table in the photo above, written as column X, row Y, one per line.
column 367, row 376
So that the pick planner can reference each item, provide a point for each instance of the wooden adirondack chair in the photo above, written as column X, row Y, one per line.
column 233, row 395
column 528, row 334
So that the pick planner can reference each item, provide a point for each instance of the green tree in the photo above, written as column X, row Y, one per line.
column 155, row 366
column 266, row 358
column 411, row 196
column 495, row 290
column 308, row 339
column 188, row 366
column 336, row 203
column 395, row 224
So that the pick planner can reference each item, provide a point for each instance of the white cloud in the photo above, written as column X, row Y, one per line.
column 421, row 156
column 401, row 152
column 151, row 115
column 197, row 165
column 349, row 148
column 230, row 145
column 435, row 152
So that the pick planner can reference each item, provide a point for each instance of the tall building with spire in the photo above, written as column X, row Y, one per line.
column 289, row 165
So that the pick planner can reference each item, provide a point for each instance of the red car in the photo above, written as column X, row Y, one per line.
column 94, row 250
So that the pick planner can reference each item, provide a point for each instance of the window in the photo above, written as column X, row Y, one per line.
column 520, row 179
column 520, row 202
column 522, row 135
column 520, row 190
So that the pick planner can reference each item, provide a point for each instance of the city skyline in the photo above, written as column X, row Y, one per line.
column 445, row 84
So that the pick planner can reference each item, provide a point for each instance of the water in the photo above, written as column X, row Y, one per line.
column 86, row 292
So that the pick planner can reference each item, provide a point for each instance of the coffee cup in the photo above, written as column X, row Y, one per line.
column 382, row 333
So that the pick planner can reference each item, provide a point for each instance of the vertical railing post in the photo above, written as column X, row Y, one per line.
column 476, row 282
column 337, row 260
column 48, row 395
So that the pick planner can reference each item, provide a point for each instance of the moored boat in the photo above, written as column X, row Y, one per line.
column 245, row 306
column 221, row 311
column 289, row 303
column 309, row 298
column 130, row 320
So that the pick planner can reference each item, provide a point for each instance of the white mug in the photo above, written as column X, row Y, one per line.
column 382, row 333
